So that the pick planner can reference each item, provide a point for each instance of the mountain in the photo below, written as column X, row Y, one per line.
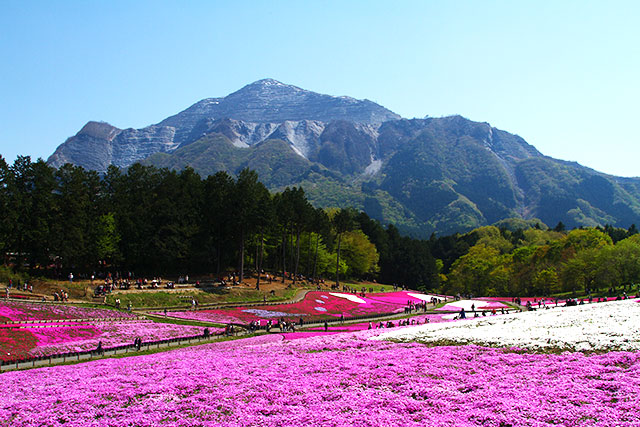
column 257, row 109
column 424, row 175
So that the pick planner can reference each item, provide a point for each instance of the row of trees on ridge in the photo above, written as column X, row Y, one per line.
column 160, row 222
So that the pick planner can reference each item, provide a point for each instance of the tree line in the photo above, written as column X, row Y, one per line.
column 154, row 221
column 542, row 262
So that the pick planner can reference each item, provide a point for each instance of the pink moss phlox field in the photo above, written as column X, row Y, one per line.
column 20, row 311
column 15, row 343
column 353, row 327
column 316, row 305
column 480, row 304
column 304, row 335
column 524, row 300
column 336, row 380
column 25, row 341
column 82, row 338
column 400, row 298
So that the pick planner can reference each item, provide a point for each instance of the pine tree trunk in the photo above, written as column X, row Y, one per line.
column 257, row 255
column 315, row 258
column 291, row 254
column 338, row 262
column 284, row 257
column 218, row 259
column 308, row 270
column 295, row 270
column 260, row 260
column 241, row 256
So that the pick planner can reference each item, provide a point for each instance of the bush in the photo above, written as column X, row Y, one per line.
column 6, row 274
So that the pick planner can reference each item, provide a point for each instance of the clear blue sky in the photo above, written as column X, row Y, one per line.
column 564, row 75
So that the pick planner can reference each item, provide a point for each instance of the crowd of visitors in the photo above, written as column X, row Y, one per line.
column 61, row 296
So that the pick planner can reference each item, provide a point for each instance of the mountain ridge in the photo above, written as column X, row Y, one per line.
column 443, row 174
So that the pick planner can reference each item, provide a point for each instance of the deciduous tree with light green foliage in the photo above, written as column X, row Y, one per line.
column 586, row 238
column 471, row 273
column 359, row 254
column 546, row 282
column 492, row 237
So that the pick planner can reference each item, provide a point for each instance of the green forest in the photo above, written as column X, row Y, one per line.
column 155, row 221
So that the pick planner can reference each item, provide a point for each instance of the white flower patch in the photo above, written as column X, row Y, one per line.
column 424, row 297
column 451, row 316
column 470, row 304
column 598, row 326
column 267, row 314
column 351, row 298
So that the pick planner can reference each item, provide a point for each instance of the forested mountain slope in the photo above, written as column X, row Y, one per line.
column 424, row 175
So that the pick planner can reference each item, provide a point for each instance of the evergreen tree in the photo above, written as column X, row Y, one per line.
column 41, row 218
column 342, row 222
column 248, row 196
column 75, row 227
column 216, row 217
column 7, row 215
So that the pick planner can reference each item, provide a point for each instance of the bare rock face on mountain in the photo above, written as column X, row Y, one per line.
column 443, row 174
column 246, row 117
column 99, row 145
column 241, row 134
column 304, row 135
column 269, row 101
column 90, row 148
column 348, row 147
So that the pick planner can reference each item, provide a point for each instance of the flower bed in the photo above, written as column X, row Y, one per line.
column 590, row 327
column 86, row 337
column 19, row 311
column 337, row 380
column 316, row 306
column 546, row 301
column 470, row 304
column 16, row 343
column 27, row 341
column 403, row 298
column 354, row 327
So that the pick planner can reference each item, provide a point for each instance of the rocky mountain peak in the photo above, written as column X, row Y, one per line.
column 435, row 174
column 102, row 130
column 271, row 101
column 269, row 82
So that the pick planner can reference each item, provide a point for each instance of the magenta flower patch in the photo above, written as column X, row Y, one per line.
column 19, row 311
column 24, row 341
column 335, row 380
column 316, row 306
